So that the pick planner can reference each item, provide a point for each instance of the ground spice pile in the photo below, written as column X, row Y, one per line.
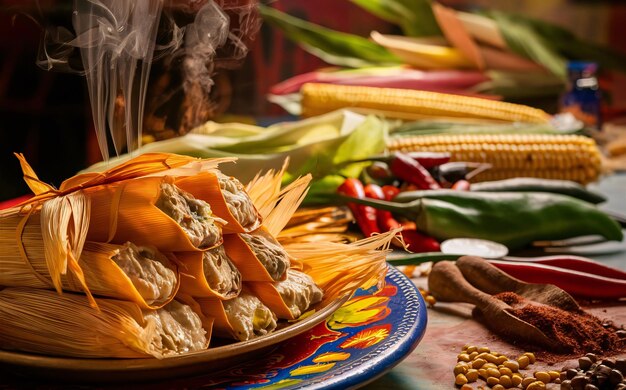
column 577, row 332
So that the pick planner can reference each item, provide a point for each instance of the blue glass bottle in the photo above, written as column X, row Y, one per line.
column 583, row 96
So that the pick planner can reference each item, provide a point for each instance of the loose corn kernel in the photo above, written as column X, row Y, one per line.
column 463, row 357
column 471, row 375
column 511, row 365
column 490, row 358
column 554, row 375
column 516, row 380
column 473, row 355
column 483, row 349
column 430, row 300
column 471, row 349
column 500, row 360
column 460, row 369
column 466, row 387
column 498, row 387
column 492, row 381
column 527, row 381
column 490, row 365
column 523, row 361
column 542, row 376
column 537, row 385
column 506, row 381
column 460, row 380
column 478, row 363
column 493, row 372
column 531, row 357
column 505, row 371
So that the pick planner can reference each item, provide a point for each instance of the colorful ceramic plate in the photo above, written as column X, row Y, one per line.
column 357, row 343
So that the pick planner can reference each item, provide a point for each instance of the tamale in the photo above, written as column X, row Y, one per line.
column 227, row 197
column 209, row 274
column 152, row 211
column 41, row 321
column 242, row 318
column 138, row 274
column 291, row 297
column 257, row 255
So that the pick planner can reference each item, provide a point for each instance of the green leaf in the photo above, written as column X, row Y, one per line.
column 415, row 17
column 524, row 40
column 332, row 46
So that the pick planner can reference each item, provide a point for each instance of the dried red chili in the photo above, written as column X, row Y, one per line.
column 410, row 170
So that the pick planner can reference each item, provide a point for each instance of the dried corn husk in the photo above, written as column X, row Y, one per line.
column 227, row 198
column 98, row 269
column 40, row 321
column 290, row 298
column 241, row 318
column 209, row 274
column 257, row 255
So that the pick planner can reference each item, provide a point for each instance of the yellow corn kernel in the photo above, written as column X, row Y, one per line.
column 412, row 104
column 548, row 156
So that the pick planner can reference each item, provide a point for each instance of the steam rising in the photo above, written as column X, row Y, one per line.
column 117, row 42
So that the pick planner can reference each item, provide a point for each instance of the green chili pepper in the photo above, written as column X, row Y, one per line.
column 565, row 187
column 514, row 219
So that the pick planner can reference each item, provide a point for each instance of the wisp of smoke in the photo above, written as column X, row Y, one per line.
column 118, row 40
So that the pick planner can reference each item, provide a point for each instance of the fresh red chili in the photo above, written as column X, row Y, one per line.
column 365, row 216
column 461, row 185
column 410, row 170
column 575, row 263
column 385, row 219
column 415, row 241
column 577, row 283
column 390, row 192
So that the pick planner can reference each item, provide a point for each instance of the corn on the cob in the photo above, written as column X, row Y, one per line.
column 565, row 157
column 411, row 104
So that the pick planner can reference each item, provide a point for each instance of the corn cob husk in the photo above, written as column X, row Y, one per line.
column 209, row 274
column 27, row 267
column 564, row 157
column 319, row 99
column 40, row 321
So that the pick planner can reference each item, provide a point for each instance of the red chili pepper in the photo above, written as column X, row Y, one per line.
column 461, row 185
column 410, row 170
column 385, row 219
column 581, row 284
column 365, row 216
column 417, row 242
column 390, row 192
column 575, row 263
column 429, row 159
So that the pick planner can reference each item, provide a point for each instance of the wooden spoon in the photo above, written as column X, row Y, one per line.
column 447, row 284
column 488, row 278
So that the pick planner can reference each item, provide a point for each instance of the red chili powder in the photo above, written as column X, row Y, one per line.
column 577, row 332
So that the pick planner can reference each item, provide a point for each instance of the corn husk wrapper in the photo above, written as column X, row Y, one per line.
column 65, row 213
column 206, row 186
column 194, row 281
column 248, row 262
column 237, row 326
column 127, row 210
column 40, row 321
column 98, row 271
column 299, row 295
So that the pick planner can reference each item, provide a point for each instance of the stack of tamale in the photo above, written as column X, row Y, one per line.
column 152, row 257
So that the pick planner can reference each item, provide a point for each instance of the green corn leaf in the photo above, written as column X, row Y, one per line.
column 332, row 46
column 524, row 40
column 415, row 17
